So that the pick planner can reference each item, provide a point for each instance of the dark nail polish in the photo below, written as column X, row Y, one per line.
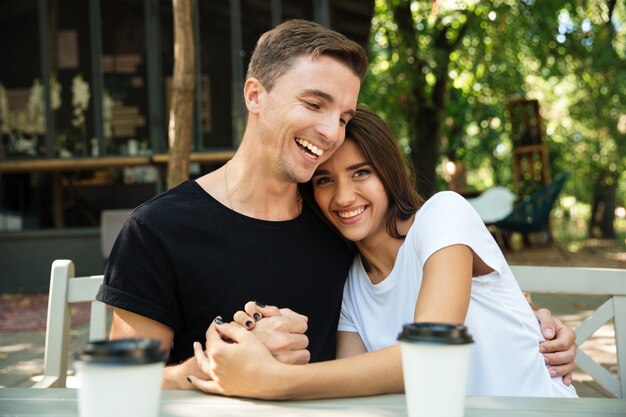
column 189, row 379
column 219, row 320
column 248, row 324
column 259, row 304
column 257, row 316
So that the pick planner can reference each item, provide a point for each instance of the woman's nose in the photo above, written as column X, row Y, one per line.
column 344, row 194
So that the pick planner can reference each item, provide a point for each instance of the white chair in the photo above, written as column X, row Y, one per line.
column 111, row 222
column 65, row 289
column 494, row 204
column 599, row 281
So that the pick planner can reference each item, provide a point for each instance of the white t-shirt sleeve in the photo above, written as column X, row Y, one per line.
column 448, row 219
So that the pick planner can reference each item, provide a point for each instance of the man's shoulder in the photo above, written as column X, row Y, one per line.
column 177, row 199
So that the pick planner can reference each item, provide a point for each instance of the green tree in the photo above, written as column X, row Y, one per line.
column 442, row 73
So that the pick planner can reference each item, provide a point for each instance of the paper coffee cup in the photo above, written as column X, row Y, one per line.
column 435, row 362
column 120, row 378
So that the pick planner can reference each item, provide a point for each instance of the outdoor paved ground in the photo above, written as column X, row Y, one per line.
column 21, row 354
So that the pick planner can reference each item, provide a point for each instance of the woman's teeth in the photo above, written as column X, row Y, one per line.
column 350, row 214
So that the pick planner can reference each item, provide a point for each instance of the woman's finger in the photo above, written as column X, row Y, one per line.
column 266, row 310
column 243, row 319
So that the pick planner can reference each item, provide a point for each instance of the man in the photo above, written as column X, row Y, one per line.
column 241, row 232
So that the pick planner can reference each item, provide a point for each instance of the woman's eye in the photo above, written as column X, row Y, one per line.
column 362, row 172
column 322, row 181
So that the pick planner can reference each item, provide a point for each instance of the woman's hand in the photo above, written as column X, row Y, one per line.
column 280, row 330
column 243, row 366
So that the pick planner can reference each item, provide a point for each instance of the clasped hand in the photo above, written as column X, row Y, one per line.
column 281, row 331
column 259, row 332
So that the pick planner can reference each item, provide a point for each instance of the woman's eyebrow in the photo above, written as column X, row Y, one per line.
column 357, row 166
column 349, row 168
column 321, row 172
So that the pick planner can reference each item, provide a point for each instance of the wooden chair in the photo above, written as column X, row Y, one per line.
column 65, row 289
column 598, row 281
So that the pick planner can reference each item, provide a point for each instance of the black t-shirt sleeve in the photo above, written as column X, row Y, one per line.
column 139, row 276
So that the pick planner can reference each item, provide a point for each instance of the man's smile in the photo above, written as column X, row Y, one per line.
column 311, row 149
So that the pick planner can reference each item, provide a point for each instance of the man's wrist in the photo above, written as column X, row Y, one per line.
column 175, row 376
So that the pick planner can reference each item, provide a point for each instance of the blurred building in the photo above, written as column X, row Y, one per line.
column 84, row 92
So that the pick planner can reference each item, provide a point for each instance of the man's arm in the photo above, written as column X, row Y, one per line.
column 127, row 325
column 282, row 334
column 559, row 349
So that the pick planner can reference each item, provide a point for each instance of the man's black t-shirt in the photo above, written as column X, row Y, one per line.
column 183, row 258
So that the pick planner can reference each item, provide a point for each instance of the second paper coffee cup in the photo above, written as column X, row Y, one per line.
column 435, row 362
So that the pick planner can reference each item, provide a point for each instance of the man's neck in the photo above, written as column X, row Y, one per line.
column 250, row 186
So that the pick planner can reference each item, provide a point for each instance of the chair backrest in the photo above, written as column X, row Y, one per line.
column 111, row 222
column 599, row 281
column 531, row 214
column 494, row 204
column 65, row 289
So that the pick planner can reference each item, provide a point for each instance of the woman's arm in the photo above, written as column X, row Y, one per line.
column 246, row 368
column 446, row 284
column 349, row 344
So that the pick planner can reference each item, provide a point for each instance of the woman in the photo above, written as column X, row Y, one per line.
column 425, row 262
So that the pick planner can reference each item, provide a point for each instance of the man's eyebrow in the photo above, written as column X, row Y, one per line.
column 320, row 93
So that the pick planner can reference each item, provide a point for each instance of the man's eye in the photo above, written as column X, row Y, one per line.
column 342, row 122
column 311, row 105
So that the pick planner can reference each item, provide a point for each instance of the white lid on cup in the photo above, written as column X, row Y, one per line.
column 121, row 352
column 437, row 333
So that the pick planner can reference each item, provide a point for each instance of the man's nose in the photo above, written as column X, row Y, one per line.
column 330, row 129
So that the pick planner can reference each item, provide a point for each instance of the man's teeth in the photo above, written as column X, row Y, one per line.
column 350, row 214
column 314, row 149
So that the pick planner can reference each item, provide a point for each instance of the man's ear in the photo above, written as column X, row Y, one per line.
column 253, row 94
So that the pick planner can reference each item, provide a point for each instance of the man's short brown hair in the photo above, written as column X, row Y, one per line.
column 278, row 48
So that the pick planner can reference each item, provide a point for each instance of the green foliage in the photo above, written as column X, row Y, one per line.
column 570, row 55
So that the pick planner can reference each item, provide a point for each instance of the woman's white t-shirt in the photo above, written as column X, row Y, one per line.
column 505, row 358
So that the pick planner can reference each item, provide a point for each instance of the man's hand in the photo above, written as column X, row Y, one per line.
column 559, row 349
column 281, row 330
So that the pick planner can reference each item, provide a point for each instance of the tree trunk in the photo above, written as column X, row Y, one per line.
column 180, row 129
column 424, row 110
column 603, row 210
column 426, row 132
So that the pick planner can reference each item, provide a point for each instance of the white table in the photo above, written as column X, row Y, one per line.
column 61, row 402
